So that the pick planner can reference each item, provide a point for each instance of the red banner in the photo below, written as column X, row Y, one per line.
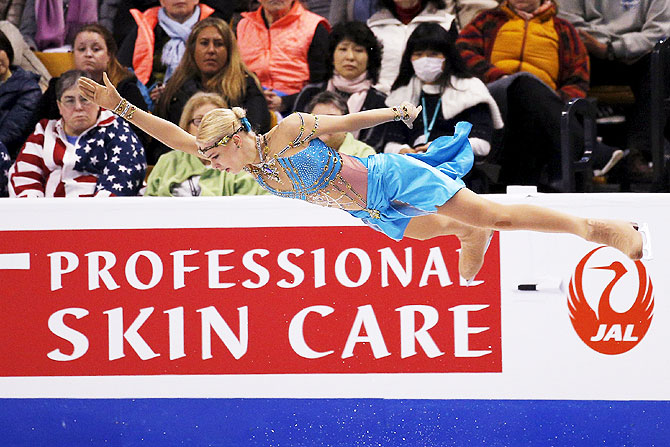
column 242, row 301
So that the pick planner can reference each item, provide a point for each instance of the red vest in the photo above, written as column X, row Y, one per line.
column 143, row 55
column 278, row 55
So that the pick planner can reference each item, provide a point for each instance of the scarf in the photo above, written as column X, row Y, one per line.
column 54, row 28
column 357, row 87
column 178, row 32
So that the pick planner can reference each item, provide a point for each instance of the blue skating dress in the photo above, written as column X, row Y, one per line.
column 399, row 187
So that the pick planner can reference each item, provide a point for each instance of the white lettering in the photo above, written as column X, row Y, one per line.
column 252, row 266
column 116, row 334
column 95, row 273
column 319, row 267
column 341, row 271
column 408, row 332
column 179, row 267
column 156, row 270
column 296, row 336
column 58, row 328
column 211, row 319
column 365, row 318
column 176, row 332
column 215, row 269
column 435, row 266
column 388, row 259
column 289, row 267
column 462, row 330
column 57, row 268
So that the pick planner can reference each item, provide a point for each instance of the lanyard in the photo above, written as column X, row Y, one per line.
column 428, row 127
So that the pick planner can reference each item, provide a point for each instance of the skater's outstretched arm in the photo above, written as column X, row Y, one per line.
column 166, row 132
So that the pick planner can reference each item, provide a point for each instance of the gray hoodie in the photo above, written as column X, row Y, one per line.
column 632, row 26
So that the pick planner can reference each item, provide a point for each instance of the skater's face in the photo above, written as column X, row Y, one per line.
column 233, row 156
column 211, row 54
column 350, row 60
column 77, row 112
column 90, row 53
column 333, row 140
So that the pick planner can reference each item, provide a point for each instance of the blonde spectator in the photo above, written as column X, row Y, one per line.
column 179, row 174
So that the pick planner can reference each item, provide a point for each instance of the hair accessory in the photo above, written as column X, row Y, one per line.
column 245, row 123
column 224, row 140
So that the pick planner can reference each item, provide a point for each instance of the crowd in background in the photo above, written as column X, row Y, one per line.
column 508, row 67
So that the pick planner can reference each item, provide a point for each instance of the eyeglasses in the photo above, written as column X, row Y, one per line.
column 70, row 102
column 224, row 140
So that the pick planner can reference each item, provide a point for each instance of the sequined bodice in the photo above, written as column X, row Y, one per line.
column 320, row 175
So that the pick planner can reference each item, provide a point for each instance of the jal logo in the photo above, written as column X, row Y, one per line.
column 611, row 301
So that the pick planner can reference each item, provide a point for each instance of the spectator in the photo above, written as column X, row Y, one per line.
column 354, row 60
column 5, row 163
column 23, row 55
column 94, row 53
column 533, row 62
column 11, row 11
column 620, row 36
column 179, row 174
column 330, row 103
column 212, row 63
column 52, row 24
column 88, row 152
column 286, row 46
column 433, row 74
column 393, row 24
column 351, row 10
column 19, row 95
column 155, row 45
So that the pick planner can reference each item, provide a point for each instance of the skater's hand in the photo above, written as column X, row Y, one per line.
column 103, row 95
column 409, row 112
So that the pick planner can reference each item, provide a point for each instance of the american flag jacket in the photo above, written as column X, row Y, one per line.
column 105, row 160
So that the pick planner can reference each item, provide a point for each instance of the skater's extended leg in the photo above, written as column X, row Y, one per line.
column 471, row 209
column 473, row 239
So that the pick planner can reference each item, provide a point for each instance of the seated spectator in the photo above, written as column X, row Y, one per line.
column 49, row 24
column 394, row 23
column 533, row 62
column 619, row 37
column 433, row 74
column 19, row 95
column 212, row 63
column 286, row 46
column 351, row 10
column 353, row 66
column 94, row 53
column 330, row 103
column 11, row 11
column 5, row 163
column 178, row 174
column 23, row 55
column 155, row 44
column 88, row 152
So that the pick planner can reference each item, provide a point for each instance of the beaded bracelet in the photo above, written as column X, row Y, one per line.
column 400, row 114
column 125, row 110
column 120, row 106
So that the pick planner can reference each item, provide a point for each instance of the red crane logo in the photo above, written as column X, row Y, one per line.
column 609, row 331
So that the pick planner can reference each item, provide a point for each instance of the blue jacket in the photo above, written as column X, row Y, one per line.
column 19, row 96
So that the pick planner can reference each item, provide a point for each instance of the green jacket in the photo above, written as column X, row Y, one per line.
column 352, row 146
column 176, row 167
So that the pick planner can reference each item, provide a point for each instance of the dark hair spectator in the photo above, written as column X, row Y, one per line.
column 19, row 96
column 433, row 74
column 87, row 152
column 24, row 57
column 353, row 67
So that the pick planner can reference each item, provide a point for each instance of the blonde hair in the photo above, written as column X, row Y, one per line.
column 230, row 82
column 218, row 123
column 195, row 102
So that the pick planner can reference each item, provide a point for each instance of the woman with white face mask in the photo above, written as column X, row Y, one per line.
column 433, row 74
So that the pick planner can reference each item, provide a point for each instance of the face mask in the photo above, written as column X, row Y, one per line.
column 428, row 69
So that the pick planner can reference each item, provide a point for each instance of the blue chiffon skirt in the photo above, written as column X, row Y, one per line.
column 404, row 186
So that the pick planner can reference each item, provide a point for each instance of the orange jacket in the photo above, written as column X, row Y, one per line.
column 278, row 55
column 143, row 54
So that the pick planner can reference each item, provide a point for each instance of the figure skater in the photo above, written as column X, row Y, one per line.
column 415, row 195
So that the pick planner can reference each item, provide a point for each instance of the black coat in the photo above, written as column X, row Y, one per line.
column 19, row 97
